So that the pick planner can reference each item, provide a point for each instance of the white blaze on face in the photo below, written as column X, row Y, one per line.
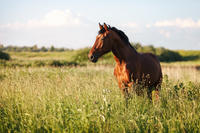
column 99, row 36
column 99, row 45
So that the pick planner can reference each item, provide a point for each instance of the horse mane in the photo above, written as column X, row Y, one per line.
column 121, row 34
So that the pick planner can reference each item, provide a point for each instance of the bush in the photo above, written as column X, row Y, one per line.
column 57, row 63
column 147, row 49
column 81, row 55
column 4, row 56
column 166, row 55
column 39, row 63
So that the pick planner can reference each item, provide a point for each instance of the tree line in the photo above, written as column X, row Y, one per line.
column 33, row 48
column 164, row 55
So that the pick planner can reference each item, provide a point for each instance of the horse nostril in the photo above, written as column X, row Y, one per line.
column 91, row 57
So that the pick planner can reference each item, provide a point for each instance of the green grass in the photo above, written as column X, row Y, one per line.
column 87, row 99
column 189, row 52
column 42, row 56
column 38, row 95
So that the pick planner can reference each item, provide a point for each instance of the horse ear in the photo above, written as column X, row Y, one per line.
column 105, row 26
column 100, row 26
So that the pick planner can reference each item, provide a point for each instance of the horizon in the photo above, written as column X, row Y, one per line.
column 48, row 47
column 173, row 25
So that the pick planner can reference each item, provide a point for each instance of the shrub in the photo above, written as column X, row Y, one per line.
column 57, row 63
column 4, row 56
column 166, row 55
column 147, row 49
column 39, row 63
column 81, row 55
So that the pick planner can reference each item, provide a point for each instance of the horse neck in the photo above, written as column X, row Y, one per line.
column 123, row 52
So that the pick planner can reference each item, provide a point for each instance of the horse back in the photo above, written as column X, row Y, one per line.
column 150, row 66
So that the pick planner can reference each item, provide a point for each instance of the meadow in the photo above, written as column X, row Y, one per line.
column 43, row 92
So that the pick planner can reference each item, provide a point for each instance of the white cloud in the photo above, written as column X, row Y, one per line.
column 165, row 33
column 148, row 26
column 130, row 25
column 55, row 18
column 61, row 18
column 181, row 23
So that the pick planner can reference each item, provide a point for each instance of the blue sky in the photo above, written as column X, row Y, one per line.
column 173, row 24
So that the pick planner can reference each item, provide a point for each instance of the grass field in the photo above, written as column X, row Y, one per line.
column 87, row 99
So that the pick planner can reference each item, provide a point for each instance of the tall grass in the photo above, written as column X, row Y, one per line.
column 87, row 99
column 182, row 73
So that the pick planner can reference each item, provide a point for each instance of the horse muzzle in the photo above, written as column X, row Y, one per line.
column 93, row 58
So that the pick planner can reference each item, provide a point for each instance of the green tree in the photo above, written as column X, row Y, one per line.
column 1, row 47
column 4, row 56
column 43, row 49
column 149, row 49
column 52, row 49
column 34, row 48
column 136, row 45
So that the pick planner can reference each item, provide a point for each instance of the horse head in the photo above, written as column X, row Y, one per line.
column 103, row 43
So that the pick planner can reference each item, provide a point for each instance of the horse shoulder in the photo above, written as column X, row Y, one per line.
column 122, row 74
column 117, row 75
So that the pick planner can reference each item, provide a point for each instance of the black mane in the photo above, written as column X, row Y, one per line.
column 121, row 34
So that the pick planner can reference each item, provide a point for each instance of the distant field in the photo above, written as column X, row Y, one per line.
column 79, row 57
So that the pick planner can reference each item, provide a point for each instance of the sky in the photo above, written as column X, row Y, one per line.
column 173, row 24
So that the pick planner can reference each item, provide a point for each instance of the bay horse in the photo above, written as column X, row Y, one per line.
column 131, row 66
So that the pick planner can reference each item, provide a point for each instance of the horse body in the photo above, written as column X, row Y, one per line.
column 134, row 68
column 131, row 67
column 150, row 67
